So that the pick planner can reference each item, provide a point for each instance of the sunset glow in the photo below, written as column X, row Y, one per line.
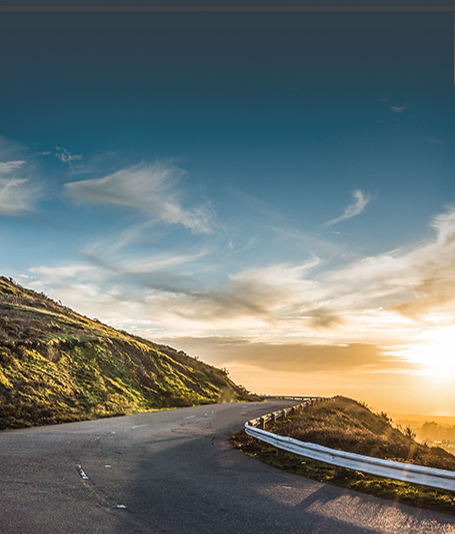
column 436, row 353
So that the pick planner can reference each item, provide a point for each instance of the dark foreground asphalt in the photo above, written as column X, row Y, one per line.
column 175, row 472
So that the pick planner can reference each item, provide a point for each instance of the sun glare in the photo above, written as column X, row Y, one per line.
column 435, row 352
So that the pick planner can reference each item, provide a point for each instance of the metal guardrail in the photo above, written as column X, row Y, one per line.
column 264, row 419
column 416, row 474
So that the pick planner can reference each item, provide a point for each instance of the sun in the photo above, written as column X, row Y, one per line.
column 435, row 352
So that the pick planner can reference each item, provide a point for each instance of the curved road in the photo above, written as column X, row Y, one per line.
column 175, row 472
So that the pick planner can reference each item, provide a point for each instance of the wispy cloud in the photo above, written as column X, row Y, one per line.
column 8, row 167
column 152, row 189
column 398, row 109
column 17, row 194
column 66, row 157
column 63, row 273
column 381, row 301
column 360, row 202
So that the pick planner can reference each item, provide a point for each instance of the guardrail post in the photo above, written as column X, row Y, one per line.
column 340, row 472
column 263, row 423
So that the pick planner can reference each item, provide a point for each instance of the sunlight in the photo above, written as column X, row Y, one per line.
column 435, row 352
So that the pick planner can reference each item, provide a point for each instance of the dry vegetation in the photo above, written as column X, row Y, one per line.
column 57, row 366
column 345, row 424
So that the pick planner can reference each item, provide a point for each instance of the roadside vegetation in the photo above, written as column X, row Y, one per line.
column 347, row 425
column 58, row 366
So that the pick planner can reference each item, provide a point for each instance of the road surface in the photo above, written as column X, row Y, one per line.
column 175, row 472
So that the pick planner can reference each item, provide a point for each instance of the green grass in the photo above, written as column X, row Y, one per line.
column 58, row 366
column 345, row 424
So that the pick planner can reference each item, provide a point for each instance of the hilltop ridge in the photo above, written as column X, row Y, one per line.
column 57, row 366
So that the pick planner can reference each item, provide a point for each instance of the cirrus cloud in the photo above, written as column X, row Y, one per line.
column 65, row 156
column 381, row 299
column 360, row 202
column 8, row 167
column 152, row 189
column 17, row 194
column 398, row 109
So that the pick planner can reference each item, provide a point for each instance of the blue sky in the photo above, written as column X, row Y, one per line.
column 273, row 192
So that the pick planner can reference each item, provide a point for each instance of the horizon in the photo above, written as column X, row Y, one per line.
column 270, row 192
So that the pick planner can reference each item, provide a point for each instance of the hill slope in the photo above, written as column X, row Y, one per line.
column 348, row 425
column 58, row 366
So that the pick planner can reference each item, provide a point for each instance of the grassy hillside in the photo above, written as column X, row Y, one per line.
column 57, row 366
column 347, row 425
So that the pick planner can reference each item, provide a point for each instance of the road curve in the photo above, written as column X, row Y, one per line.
column 175, row 472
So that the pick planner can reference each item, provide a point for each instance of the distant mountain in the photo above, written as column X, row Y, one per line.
column 58, row 366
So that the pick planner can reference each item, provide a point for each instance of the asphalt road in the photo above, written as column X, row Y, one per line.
column 175, row 472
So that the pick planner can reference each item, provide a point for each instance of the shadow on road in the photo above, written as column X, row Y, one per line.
column 201, row 485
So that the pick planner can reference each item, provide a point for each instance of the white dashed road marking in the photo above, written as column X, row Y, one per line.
column 81, row 472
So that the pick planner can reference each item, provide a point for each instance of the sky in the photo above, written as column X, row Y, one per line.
column 273, row 193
